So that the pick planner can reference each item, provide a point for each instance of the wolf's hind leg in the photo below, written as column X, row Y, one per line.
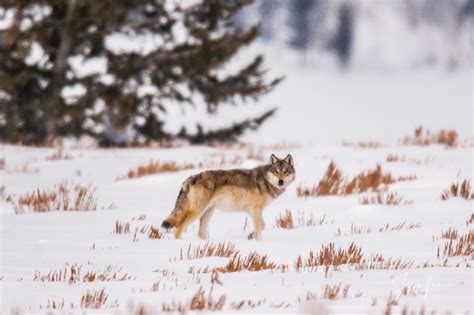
column 204, row 222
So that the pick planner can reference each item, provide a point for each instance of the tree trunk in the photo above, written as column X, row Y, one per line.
column 53, row 99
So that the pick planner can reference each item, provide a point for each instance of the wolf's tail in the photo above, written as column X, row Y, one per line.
column 180, row 210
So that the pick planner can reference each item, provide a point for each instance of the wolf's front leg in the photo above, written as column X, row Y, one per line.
column 204, row 222
column 257, row 223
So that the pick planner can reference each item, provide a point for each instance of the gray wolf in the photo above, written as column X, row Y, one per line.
column 247, row 190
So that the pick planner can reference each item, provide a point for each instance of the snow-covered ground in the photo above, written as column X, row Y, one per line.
column 43, row 242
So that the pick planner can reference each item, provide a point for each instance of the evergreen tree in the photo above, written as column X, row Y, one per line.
column 342, row 42
column 126, row 101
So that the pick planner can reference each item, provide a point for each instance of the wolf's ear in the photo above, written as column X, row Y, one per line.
column 273, row 159
column 289, row 159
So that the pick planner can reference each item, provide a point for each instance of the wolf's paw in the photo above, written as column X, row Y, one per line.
column 203, row 235
column 254, row 236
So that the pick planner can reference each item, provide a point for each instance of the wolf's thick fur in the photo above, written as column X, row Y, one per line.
column 230, row 190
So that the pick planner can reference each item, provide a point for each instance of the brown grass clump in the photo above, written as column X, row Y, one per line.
column 252, row 262
column 155, row 233
column 450, row 234
column 363, row 144
column 462, row 190
column 423, row 137
column 457, row 244
column 121, row 228
column 334, row 183
column 93, row 299
column 392, row 157
column 329, row 256
column 199, row 302
column 384, row 198
column 58, row 155
column 55, row 305
column 286, row 221
column 221, row 249
column 155, row 167
column 62, row 197
column 335, row 292
column 73, row 273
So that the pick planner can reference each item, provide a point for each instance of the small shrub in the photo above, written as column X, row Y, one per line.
column 462, row 190
column 155, row 167
column 73, row 273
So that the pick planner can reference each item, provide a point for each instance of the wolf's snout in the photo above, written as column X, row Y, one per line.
column 280, row 182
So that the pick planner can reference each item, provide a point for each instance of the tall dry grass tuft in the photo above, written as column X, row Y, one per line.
column 384, row 198
column 73, row 273
column 462, row 190
column 121, row 228
column 288, row 221
column 63, row 197
column 252, row 262
column 334, row 182
column 155, row 167
column 200, row 301
column 336, row 291
column 330, row 256
column 285, row 221
column 426, row 137
column 93, row 299
column 221, row 249
column 457, row 244
column 155, row 233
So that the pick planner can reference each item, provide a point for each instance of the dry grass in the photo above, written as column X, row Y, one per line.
column 121, row 228
column 63, row 197
column 221, row 249
column 334, row 182
column 93, row 299
column 55, row 305
column 155, row 167
column 59, row 154
column 363, row 144
column 462, row 190
column 384, row 198
column 457, row 244
column 200, row 301
column 155, row 233
column 336, row 291
column 392, row 157
column 426, row 137
column 286, row 221
column 73, row 274
column 252, row 262
column 330, row 256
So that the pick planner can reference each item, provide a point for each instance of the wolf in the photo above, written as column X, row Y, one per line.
column 248, row 190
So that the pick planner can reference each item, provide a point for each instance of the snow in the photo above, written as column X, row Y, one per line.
column 41, row 242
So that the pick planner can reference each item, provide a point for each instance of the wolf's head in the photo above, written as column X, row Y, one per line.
column 280, row 172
